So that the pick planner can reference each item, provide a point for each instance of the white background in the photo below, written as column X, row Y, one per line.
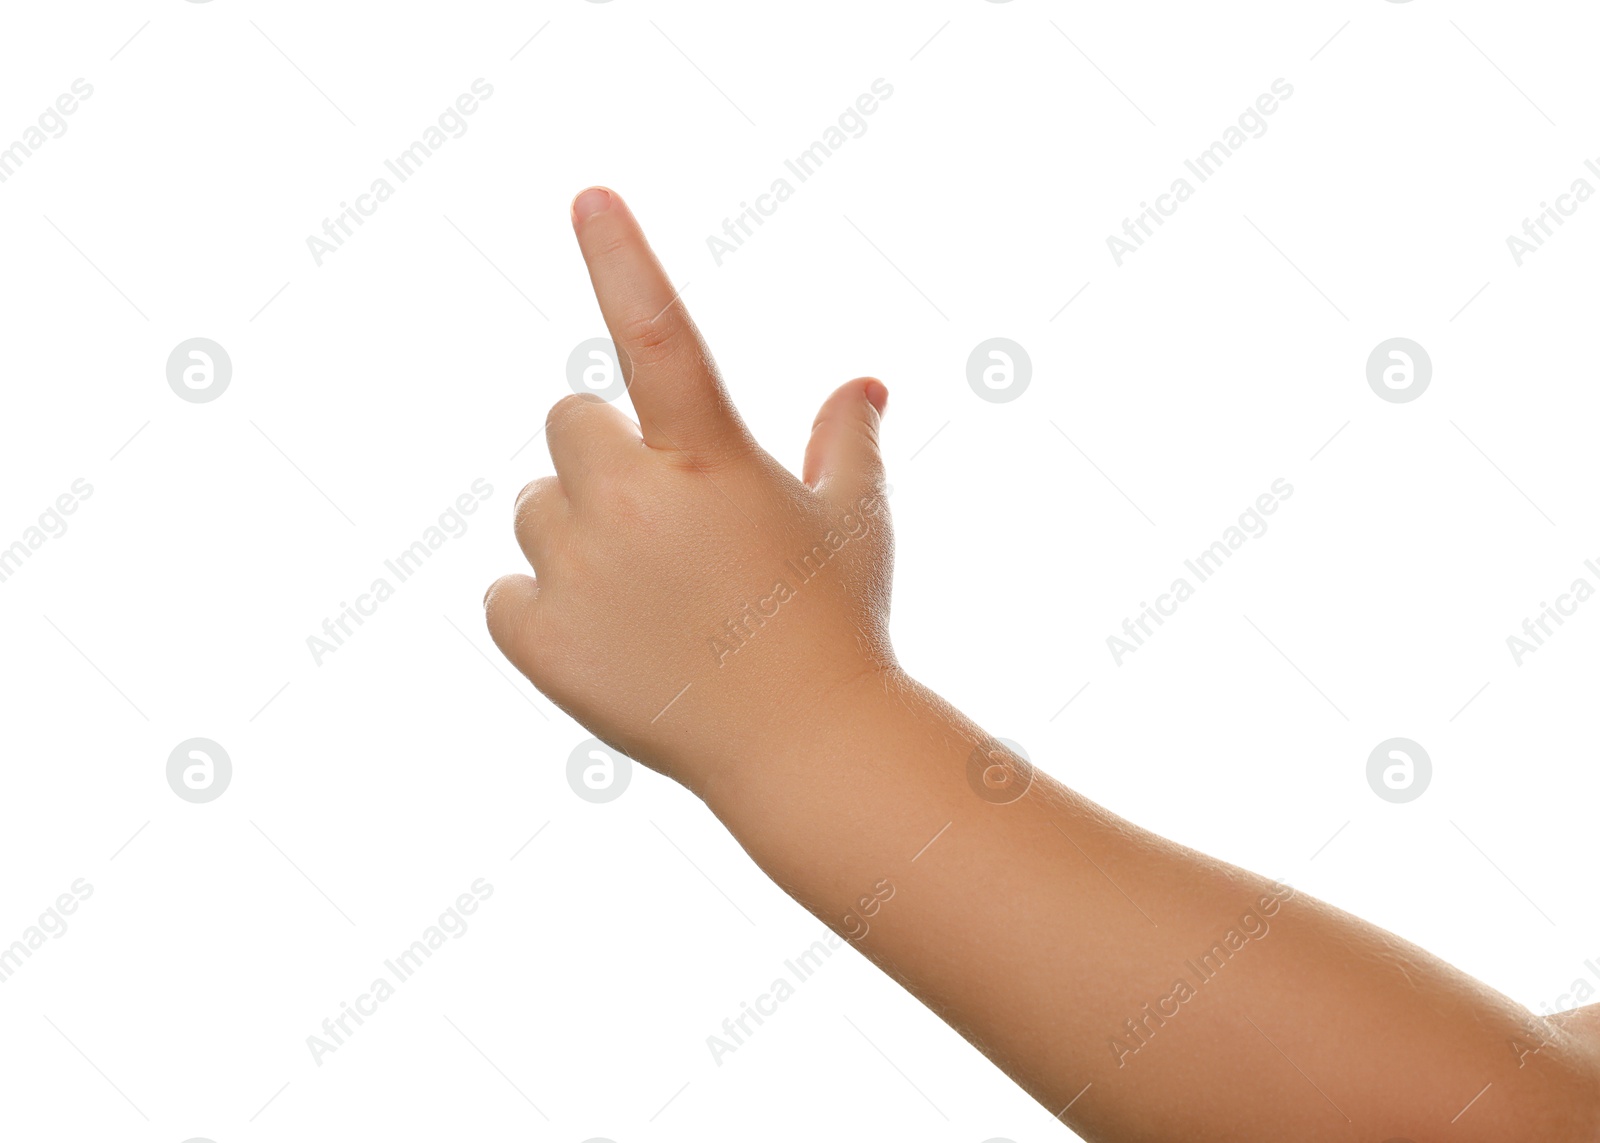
column 369, row 392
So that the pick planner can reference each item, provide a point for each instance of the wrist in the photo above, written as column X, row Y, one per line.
column 870, row 748
column 792, row 735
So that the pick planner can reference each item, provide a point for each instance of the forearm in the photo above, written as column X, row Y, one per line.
column 1076, row 949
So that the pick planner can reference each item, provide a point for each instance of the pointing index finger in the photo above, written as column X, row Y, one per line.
column 669, row 372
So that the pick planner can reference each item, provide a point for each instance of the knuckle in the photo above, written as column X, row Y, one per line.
column 613, row 246
column 563, row 411
column 651, row 339
column 516, row 627
column 534, row 500
column 498, row 597
column 716, row 457
column 503, row 612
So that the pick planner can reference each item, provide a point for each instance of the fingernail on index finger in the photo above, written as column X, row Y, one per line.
column 589, row 203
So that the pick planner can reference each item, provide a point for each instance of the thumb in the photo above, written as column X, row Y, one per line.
column 843, row 451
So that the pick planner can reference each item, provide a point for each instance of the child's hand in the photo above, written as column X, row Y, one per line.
column 714, row 617
column 694, row 601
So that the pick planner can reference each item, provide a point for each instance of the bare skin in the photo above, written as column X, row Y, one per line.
column 714, row 617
